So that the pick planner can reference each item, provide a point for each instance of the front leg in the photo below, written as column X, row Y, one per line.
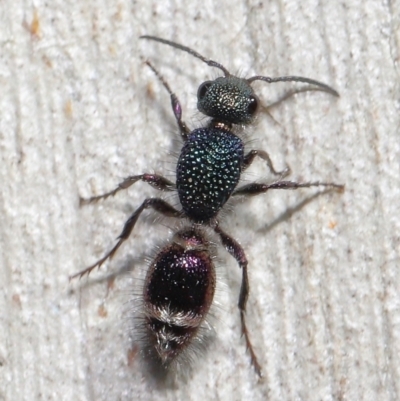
column 249, row 158
column 156, row 181
column 157, row 204
column 175, row 104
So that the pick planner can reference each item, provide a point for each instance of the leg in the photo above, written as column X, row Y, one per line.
column 176, row 106
column 233, row 247
column 154, row 180
column 256, row 189
column 249, row 158
column 155, row 203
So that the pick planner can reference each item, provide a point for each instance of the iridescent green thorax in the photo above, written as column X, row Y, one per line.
column 208, row 171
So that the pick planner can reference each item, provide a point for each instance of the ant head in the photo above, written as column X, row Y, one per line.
column 229, row 99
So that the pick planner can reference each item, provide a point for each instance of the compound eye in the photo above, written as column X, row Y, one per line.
column 203, row 88
column 252, row 106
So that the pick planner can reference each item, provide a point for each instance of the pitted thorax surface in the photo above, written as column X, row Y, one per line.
column 208, row 171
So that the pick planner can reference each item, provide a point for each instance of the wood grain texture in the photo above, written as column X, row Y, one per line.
column 79, row 111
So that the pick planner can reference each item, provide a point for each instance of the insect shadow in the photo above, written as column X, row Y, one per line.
column 210, row 165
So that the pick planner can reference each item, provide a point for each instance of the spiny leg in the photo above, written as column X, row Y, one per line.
column 249, row 158
column 176, row 106
column 156, row 181
column 233, row 247
column 157, row 204
column 256, row 188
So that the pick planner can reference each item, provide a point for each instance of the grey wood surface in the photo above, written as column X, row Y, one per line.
column 79, row 111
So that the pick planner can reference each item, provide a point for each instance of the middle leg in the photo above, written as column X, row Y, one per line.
column 156, row 181
column 256, row 188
